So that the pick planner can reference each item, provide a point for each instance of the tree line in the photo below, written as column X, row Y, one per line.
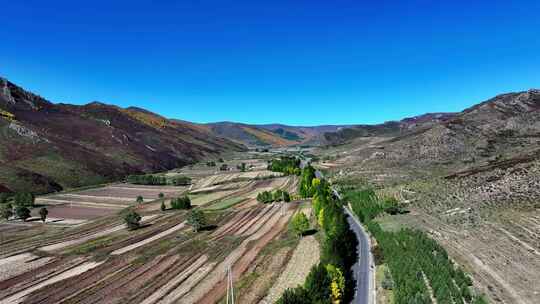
column 330, row 281
column 161, row 180
column 19, row 205
column 411, row 256
column 276, row 196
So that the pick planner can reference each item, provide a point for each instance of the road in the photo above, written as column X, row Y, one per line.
column 363, row 273
column 362, row 269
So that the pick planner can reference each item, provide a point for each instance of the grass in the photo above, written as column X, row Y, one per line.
column 93, row 245
column 226, row 203
column 391, row 222
column 384, row 296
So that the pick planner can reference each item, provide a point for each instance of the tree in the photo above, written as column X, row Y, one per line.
column 163, row 206
column 6, row 211
column 299, row 295
column 211, row 164
column 196, row 219
column 241, row 167
column 224, row 167
column 181, row 203
column 318, row 284
column 337, row 286
column 161, row 195
column 300, row 223
column 181, row 181
column 22, row 212
column 25, row 199
column 43, row 212
column 139, row 199
column 132, row 220
column 286, row 197
column 4, row 197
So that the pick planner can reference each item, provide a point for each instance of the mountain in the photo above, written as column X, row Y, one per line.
column 271, row 134
column 48, row 147
column 387, row 129
column 497, row 131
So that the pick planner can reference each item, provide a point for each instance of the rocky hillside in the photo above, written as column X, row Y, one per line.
column 47, row 147
column 387, row 129
column 499, row 130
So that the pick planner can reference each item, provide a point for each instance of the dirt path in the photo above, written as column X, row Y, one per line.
column 306, row 254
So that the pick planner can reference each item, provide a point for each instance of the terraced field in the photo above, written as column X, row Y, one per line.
column 164, row 261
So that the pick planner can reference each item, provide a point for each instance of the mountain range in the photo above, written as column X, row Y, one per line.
column 52, row 146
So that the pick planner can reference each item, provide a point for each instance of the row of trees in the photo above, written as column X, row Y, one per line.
column 286, row 164
column 25, row 199
column 276, row 196
column 181, row 203
column 411, row 255
column 7, row 211
column 149, row 179
column 331, row 281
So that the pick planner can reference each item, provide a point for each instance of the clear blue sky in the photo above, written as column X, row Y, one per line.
column 301, row 62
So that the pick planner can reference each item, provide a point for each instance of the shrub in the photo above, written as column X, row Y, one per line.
column 22, row 212
column 132, row 220
column 211, row 164
column 300, row 223
column 163, row 206
column 161, row 195
column 6, row 211
column 139, row 199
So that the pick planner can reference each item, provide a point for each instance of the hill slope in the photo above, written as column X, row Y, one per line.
column 46, row 146
column 271, row 134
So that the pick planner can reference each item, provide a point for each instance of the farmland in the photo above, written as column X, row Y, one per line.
column 84, row 252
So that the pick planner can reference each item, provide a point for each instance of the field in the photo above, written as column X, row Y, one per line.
column 93, row 258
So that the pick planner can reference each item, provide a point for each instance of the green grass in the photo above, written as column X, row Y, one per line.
column 93, row 245
column 384, row 295
column 227, row 203
column 391, row 222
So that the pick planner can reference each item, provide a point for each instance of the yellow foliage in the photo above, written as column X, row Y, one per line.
column 315, row 182
column 320, row 218
column 338, row 283
column 9, row 116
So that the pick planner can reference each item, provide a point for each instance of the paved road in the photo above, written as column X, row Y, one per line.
column 362, row 268
column 362, row 271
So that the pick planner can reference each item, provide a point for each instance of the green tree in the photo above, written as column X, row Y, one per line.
column 298, row 295
column 318, row 284
column 4, row 197
column 132, row 220
column 25, row 199
column 22, row 212
column 139, row 199
column 6, row 211
column 183, row 202
column 163, row 206
column 196, row 219
column 43, row 212
column 161, row 195
column 300, row 223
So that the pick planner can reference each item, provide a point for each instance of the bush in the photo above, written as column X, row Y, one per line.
column 163, row 206
column 298, row 295
column 224, row 167
column 181, row 203
column 22, row 213
column 4, row 197
column 196, row 219
column 139, row 199
column 6, row 211
column 300, row 223
column 132, row 220
column 211, row 164
column 161, row 195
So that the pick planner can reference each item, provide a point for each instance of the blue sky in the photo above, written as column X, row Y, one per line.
column 297, row 62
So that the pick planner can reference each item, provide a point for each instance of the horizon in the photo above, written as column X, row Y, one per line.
column 284, row 63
